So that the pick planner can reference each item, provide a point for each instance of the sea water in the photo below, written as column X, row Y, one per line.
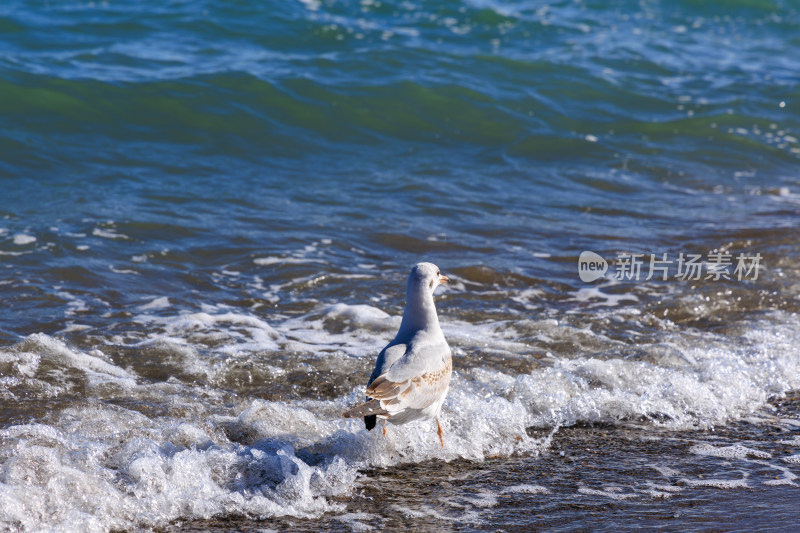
column 209, row 209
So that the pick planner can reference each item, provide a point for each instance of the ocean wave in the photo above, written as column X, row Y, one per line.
column 105, row 463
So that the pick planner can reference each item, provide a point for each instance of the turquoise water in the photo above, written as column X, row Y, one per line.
column 198, row 198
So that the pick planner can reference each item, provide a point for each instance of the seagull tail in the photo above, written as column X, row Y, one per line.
column 370, row 408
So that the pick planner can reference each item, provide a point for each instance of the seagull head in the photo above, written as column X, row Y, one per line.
column 426, row 275
column 420, row 311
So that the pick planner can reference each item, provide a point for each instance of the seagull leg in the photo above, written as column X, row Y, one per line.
column 383, row 427
column 440, row 432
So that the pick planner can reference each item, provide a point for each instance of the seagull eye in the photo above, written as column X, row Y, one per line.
column 437, row 273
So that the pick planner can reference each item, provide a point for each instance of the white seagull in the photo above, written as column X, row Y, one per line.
column 412, row 374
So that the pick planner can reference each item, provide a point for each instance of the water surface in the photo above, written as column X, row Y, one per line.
column 209, row 209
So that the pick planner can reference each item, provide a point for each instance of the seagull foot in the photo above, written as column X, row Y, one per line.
column 440, row 432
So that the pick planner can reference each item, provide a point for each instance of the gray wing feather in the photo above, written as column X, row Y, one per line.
column 386, row 359
column 418, row 361
column 415, row 381
column 415, row 393
column 372, row 407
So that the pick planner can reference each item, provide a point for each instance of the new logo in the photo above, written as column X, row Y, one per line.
column 591, row 266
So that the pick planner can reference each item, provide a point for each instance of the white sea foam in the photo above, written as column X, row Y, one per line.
column 361, row 315
column 360, row 521
column 99, row 467
column 107, row 468
column 96, row 466
column 73, row 327
column 795, row 441
column 457, row 515
column 786, row 478
column 37, row 349
column 598, row 297
column 526, row 489
column 241, row 332
column 21, row 239
column 708, row 382
column 717, row 483
column 614, row 493
column 724, row 382
column 736, row 451
column 273, row 260
column 108, row 233
column 74, row 304
column 660, row 490
column 115, row 270
column 157, row 303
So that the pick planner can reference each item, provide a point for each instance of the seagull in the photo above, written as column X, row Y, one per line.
column 412, row 373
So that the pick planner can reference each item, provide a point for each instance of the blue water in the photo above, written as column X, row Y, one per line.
column 268, row 160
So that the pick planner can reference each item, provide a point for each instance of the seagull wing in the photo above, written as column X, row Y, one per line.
column 388, row 357
column 416, row 381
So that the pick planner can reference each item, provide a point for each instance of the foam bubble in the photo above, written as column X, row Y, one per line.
column 725, row 484
column 614, row 493
column 21, row 239
column 663, row 490
column 795, row 441
column 108, row 233
column 526, row 489
column 272, row 260
column 359, row 521
column 457, row 513
column 736, row 451
column 594, row 297
column 115, row 270
column 74, row 304
column 245, row 332
column 361, row 315
column 26, row 358
column 157, row 303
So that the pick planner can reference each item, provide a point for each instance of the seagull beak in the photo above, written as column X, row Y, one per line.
column 444, row 279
